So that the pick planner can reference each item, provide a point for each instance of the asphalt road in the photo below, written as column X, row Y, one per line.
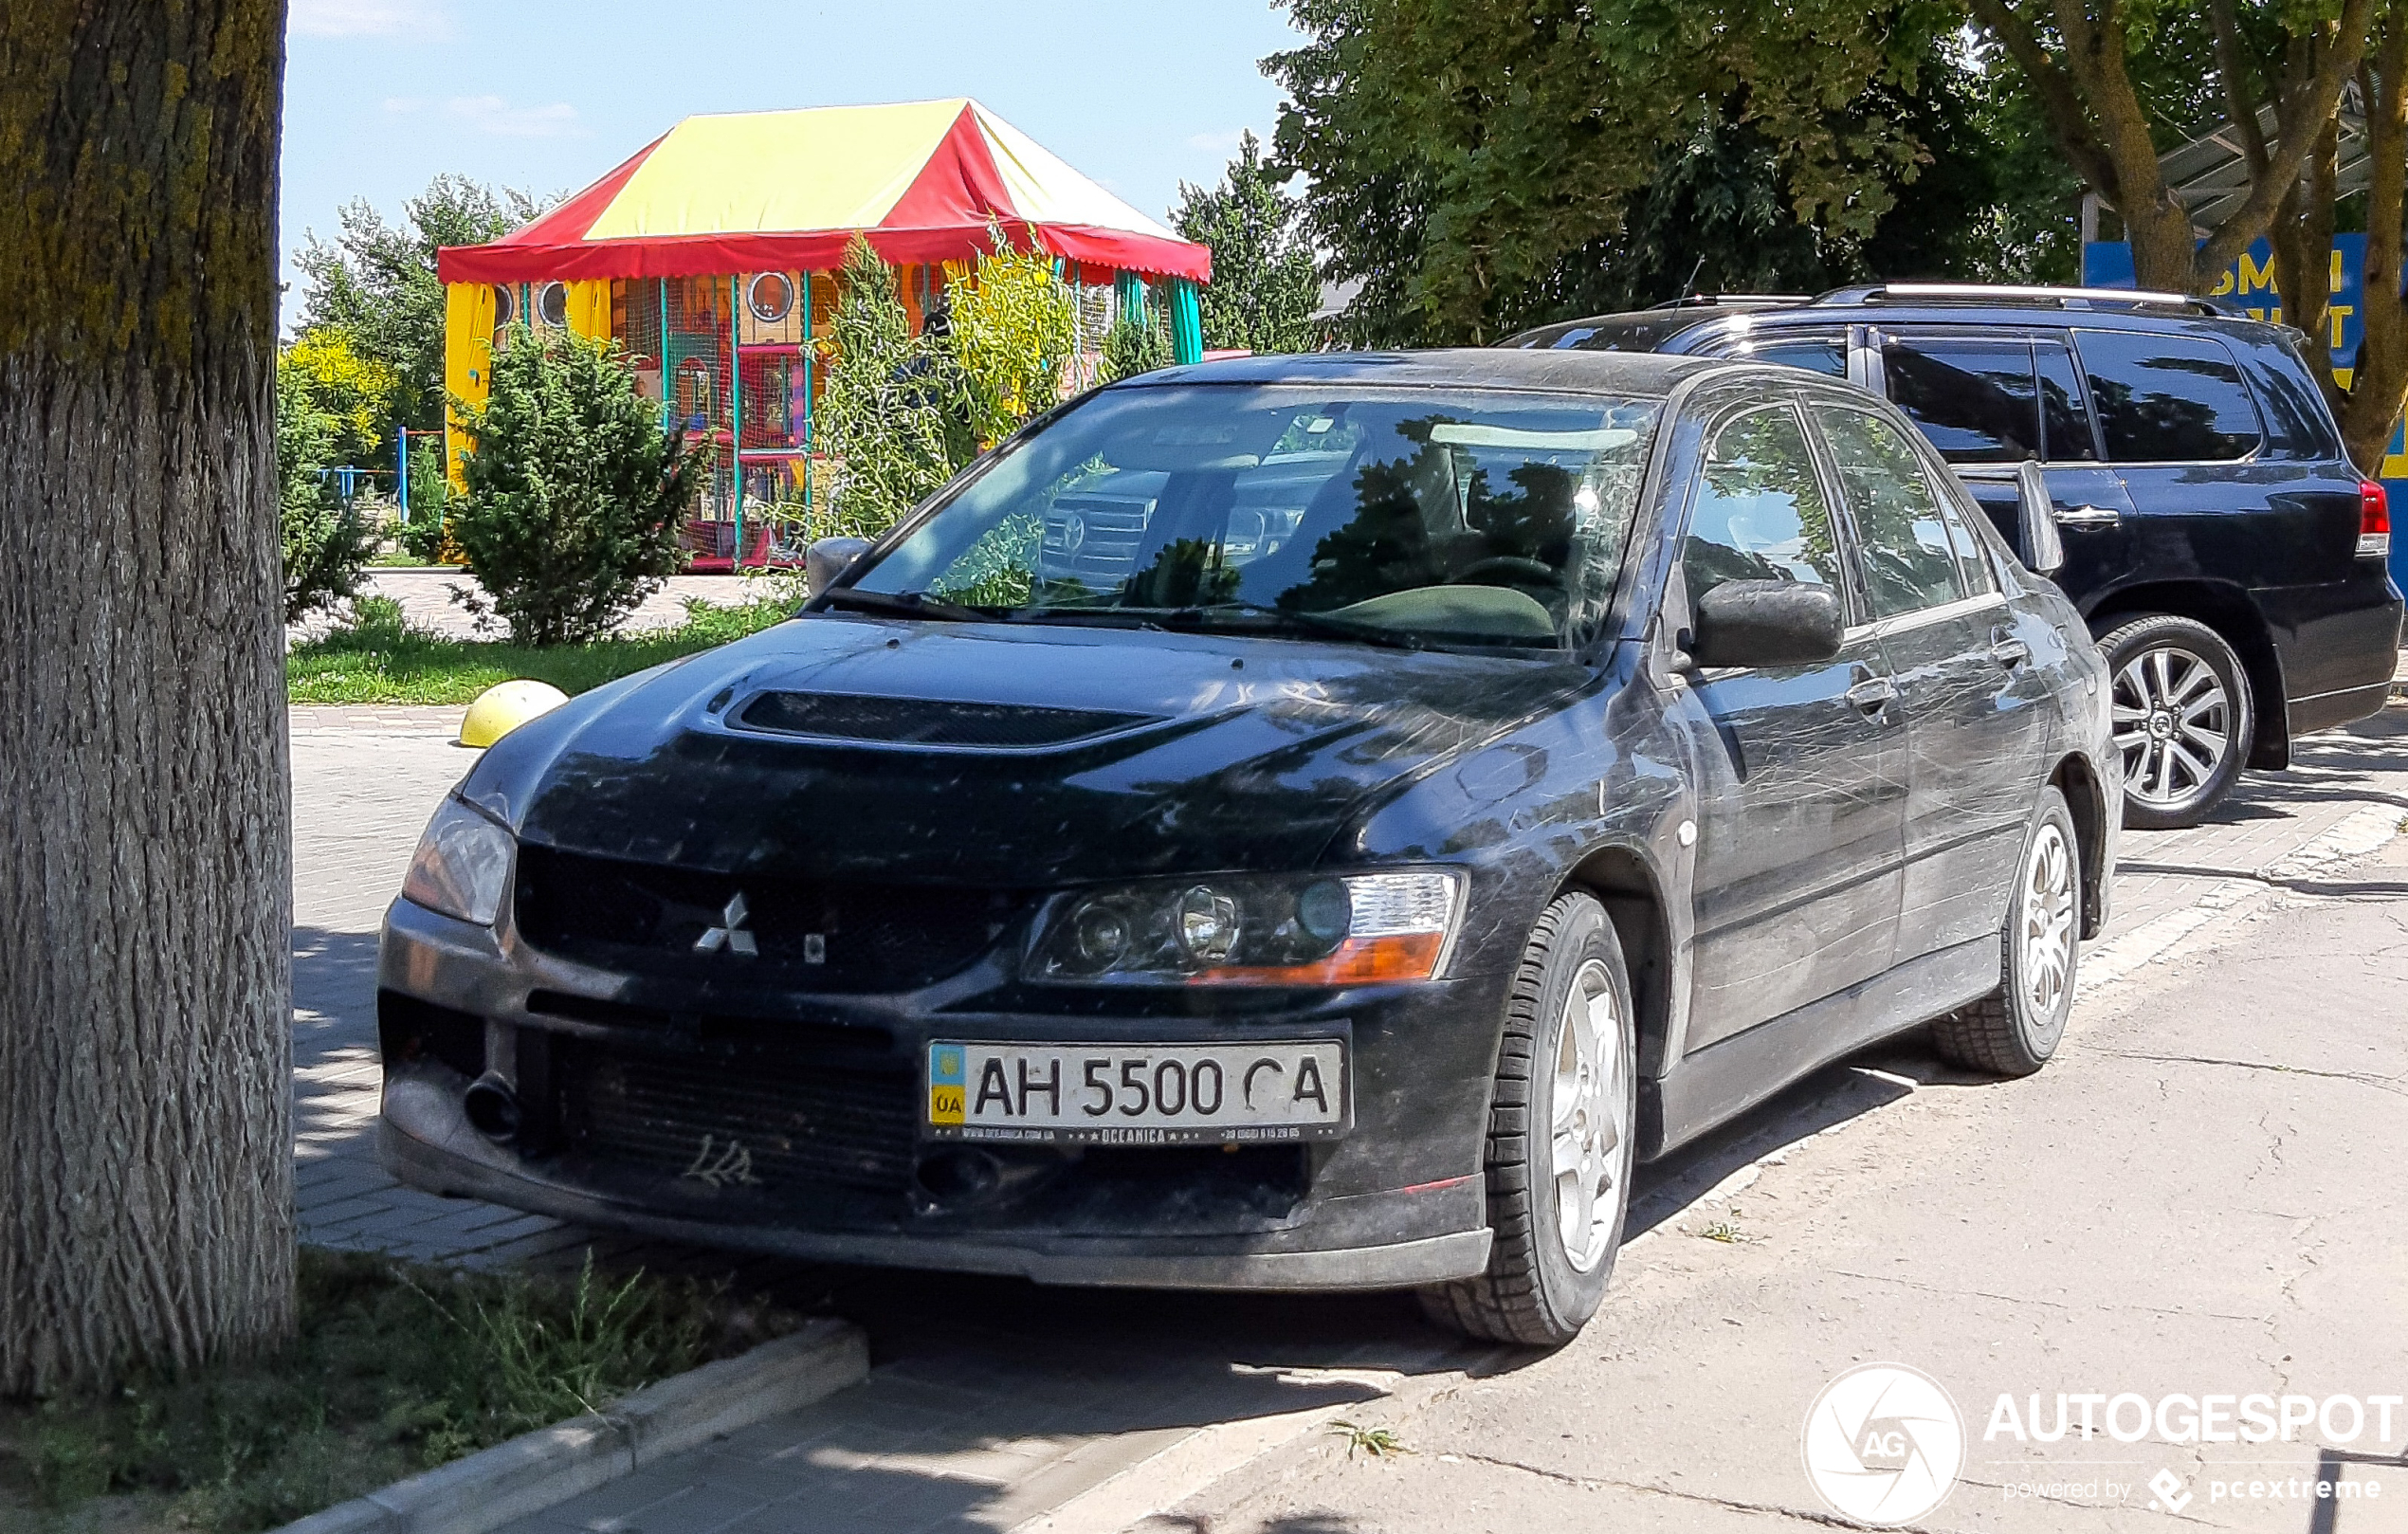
column 2192, row 1199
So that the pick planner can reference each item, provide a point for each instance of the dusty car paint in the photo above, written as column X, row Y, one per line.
column 1758, row 839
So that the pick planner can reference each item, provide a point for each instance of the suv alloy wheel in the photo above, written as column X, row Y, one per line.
column 2184, row 718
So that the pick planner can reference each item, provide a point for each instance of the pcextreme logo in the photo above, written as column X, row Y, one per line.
column 1882, row 1444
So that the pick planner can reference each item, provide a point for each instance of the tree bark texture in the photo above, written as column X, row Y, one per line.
column 2379, row 386
column 145, row 839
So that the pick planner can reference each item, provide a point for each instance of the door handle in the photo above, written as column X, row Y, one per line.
column 2009, row 651
column 1873, row 695
column 2088, row 517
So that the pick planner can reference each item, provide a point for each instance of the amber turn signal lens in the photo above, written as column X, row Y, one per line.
column 1411, row 956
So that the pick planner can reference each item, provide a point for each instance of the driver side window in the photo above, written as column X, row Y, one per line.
column 1758, row 512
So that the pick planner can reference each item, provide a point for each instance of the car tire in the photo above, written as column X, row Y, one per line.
column 2177, row 688
column 1562, row 1118
column 2015, row 1029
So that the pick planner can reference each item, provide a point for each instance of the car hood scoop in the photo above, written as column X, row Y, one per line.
column 929, row 721
column 1000, row 756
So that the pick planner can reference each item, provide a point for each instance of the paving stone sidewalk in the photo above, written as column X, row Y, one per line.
column 992, row 1401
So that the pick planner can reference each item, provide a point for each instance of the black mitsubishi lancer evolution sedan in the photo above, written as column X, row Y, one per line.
column 1294, row 822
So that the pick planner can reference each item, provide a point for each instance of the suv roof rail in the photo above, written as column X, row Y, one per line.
column 1711, row 301
column 1995, row 292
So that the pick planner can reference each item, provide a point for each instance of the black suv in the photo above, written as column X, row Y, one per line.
column 2216, row 539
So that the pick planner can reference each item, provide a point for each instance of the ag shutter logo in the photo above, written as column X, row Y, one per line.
column 1882, row 1444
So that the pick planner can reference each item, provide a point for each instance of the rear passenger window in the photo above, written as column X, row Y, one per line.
column 1826, row 355
column 1974, row 399
column 2167, row 398
column 2065, row 426
column 1917, row 552
column 1758, row 513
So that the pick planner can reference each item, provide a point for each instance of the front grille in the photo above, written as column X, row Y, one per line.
column 927, row 721
column 1094, row 539
column 645, row 919
column 755, row 1119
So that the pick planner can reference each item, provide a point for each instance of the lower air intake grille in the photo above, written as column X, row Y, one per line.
column 777, row 1125
column 927, row 721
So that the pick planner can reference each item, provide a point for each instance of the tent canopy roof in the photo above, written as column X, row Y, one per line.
column 772, row 191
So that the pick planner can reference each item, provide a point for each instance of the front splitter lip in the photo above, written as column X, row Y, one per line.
column 427, row 1142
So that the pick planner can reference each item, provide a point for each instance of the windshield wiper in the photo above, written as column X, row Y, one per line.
column 1320, row 623
column 903, row 604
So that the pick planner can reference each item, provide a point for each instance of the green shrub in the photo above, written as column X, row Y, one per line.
column 893, row 414
column 326, row 543
column 1137, row 343
column 575, row 494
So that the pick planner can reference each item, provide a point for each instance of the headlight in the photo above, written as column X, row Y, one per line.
column 1351, row 929
column 461, row 865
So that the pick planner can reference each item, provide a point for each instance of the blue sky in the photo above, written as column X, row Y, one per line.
column 381, row 95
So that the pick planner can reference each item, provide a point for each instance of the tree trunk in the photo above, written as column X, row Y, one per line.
column 2302, row 235
column 145, row 847
column 2380, row 383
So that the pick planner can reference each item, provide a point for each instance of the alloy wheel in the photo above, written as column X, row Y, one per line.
column 2172, row 724
column 2047, row 927
column 1592, row 1106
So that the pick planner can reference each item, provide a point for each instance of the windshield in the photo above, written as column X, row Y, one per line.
column 1399, row 516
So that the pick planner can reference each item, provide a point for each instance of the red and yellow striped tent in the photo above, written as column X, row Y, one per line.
column 709, row 252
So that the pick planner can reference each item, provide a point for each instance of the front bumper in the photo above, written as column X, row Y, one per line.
column 1399, row 1202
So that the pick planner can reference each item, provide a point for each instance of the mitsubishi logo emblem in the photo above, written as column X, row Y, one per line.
column 731, row 933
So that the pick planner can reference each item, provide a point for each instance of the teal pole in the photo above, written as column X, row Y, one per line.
column 401, row 471
column 807, row 390
column 736, row 411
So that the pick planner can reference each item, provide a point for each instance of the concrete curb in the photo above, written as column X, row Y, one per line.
column 2233, row 900
column 539, row 1470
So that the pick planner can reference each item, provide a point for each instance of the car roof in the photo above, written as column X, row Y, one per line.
column 1896, row 305
column 1645, row 374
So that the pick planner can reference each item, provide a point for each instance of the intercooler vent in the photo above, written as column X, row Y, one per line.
column 837, row 716
column 779, row 1126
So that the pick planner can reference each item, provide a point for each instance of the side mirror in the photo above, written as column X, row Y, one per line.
column 2043, row 548
column 1758, row 623
column 828, row 558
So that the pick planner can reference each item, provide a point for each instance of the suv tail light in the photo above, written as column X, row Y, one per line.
column 2373, row 521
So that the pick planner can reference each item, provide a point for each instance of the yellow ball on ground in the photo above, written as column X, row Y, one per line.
column 504, row 707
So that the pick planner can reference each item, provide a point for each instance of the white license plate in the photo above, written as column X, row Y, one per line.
column 1167, row 1094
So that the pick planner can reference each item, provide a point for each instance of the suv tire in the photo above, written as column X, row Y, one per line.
column 2184, row 718
column 2015, row 1029
column 1562, row 1118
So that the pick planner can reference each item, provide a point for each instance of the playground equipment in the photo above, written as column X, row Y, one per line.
column 712, row 256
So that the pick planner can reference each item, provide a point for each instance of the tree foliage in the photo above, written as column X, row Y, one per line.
column 2098, row 70
column 1266, row 284
column 1012, row 324
column 1461, row 154
column 902, row 413
column 375, row 283
column 326, row 543
column 574, row 493
column 357, row 395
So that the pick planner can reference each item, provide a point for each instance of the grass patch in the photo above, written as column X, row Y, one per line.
column 397, row 1368
column 378, row 658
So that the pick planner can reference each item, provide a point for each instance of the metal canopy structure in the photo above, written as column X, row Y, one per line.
column 2210, row 174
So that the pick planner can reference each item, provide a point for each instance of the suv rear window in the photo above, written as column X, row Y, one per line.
column 2167, row 398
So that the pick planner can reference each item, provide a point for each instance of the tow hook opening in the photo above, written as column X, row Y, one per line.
column 492, row 1106
column 959, row 1175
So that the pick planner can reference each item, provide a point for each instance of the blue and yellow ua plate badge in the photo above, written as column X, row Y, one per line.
column 945, row 1084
